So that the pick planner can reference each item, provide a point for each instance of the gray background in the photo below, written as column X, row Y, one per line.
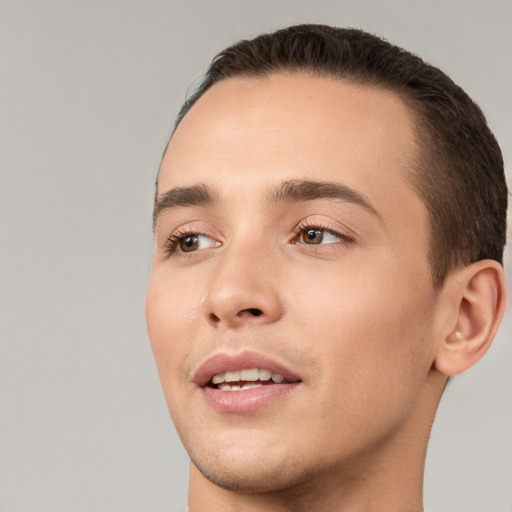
column 88, row 91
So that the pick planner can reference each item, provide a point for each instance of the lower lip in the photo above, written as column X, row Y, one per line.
column 245, row 400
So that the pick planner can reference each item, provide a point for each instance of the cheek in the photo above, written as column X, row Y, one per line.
column 168, row 317
column 369, row 332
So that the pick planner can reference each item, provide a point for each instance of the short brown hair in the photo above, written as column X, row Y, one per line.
column 459, row 173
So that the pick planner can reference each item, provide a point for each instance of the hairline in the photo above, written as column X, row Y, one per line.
column 419, row 151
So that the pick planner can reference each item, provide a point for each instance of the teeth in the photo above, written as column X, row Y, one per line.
column 232, row 376
column 250, row 375
column 217, row 379
column 236, row 387
column 246, row 375
column 250, row 386
column 264, row 375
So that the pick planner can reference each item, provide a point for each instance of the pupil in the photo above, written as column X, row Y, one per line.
column 314, row 236
column 189, row 243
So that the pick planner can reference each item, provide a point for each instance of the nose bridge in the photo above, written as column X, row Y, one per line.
column 243, row 287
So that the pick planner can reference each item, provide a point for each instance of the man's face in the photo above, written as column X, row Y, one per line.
column 297, row 247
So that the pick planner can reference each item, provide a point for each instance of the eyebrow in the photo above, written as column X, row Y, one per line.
column 196, row 195
column 287, row 192
column 303, row 190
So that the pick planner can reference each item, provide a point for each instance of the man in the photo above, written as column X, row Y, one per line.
column 330, row 222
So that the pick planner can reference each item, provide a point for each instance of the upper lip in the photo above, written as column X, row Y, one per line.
column 225, row 362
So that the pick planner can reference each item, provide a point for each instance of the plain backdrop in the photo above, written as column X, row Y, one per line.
column 88, row 93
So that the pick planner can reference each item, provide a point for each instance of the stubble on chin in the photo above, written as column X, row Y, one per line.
column 261, row 478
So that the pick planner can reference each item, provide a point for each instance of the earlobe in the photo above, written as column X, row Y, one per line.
column 479, row 290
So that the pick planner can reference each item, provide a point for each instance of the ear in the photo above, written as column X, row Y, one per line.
column 478, row 292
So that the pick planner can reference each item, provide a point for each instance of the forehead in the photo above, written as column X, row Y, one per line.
column 246, row 135
column 243, row 122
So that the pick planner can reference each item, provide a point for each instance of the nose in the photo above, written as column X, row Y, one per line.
column 243, row 289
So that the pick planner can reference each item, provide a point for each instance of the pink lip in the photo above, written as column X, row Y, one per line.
column 246, row 400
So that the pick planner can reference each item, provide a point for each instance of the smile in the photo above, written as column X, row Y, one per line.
column 243, row 382
column 246, row 379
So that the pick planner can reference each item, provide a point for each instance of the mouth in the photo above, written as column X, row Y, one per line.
column 244, row 381
column 250, row 378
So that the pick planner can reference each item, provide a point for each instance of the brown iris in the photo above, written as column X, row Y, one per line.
column 189, row 243
column 313, row 236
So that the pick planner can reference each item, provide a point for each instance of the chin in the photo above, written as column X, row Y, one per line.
column 251, row 469
column 265, row 477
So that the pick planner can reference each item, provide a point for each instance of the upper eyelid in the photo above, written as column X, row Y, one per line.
column 342, row 238
column 309, row 222
column 171, row 243
column 185, row 227
column 332, row 226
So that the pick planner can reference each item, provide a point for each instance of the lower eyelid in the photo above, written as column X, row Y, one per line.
column 343, row 237
column 172, row 243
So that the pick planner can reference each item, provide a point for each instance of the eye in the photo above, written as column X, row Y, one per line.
column 189, row 242
column 317, row 236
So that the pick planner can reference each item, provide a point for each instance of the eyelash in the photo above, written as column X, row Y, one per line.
column 171, row 244
column 307, row 225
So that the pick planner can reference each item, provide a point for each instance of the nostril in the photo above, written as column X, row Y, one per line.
column 251, row 311
column 214, row 318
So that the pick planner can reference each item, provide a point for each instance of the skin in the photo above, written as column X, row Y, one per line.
column 356, row 316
